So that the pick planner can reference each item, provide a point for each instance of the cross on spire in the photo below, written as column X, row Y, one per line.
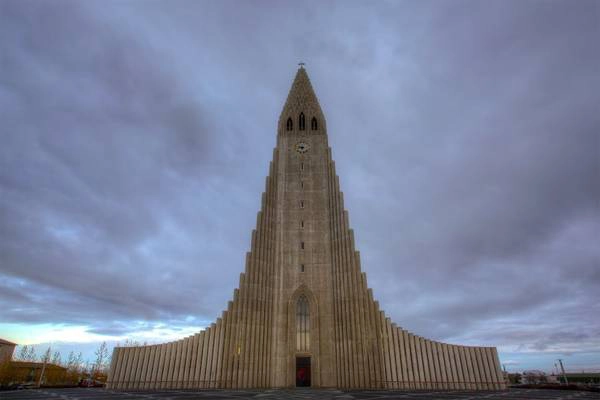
column 301, row 64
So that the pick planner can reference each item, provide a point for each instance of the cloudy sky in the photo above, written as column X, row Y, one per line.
column 135, row 138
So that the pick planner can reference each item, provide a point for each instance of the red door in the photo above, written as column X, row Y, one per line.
column 302, row 371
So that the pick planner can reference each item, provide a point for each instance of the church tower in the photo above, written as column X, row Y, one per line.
column 303, row 314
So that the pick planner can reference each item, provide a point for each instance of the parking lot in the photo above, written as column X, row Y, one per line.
column 102, row 394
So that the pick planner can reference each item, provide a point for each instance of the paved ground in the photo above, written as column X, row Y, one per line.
column 101, row 394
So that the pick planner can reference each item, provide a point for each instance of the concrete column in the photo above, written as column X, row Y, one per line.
column 337, row 284
column 431, row 366
column 135, row 373
column 452, row 367
column 386, row 350
column 410, row 378
column 435, row 366
column 111, row 370
column 219, row 353
column 185, row 361
column 420, row 364
column 392, row 350
column 233, row 342
column 126, row 370
column 164, row 365
column 165, row 369
column 242, row 354
column 155, row 377
column 178, row 375
column 449, row 381
column 369, row 340
column 216, row 354
column 499, row 374
column 170, row 366
column 476, row 369
column 206, row 359
column 443, row 371
column 486, row 369
column 414, row 361
column 378, row 348
column 426, row 375
column 491, row 368
column 200, row 364
column 356, row 297
column 172, row 377
column 467, row 373
column 399, row 361
column 403, row 359
column 459, row 367
column 192, row 361
column 147, row 368
column 227, row 347
column 210, row 356
column 136, row 352
column 143, row 367
column 351, row 316
column 115, row 369
column 147, row 374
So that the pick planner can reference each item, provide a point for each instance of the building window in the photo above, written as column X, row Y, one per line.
column 302, row 324
column 302, row 166
column 301, row 184
column 302, row 224
column 301, row 267
column 313, row 124
column 302, row 245
column 301, row 122
column 289, row 124
column 301, row 203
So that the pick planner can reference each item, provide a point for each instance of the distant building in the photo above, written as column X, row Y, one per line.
column 6, row 350
column 28, row 371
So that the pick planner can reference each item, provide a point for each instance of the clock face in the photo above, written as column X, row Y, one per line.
column 302, row 147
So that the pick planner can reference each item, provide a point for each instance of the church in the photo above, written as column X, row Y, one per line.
column 303, row 314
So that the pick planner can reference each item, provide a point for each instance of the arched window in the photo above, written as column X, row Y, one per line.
column 289, row 124
column 313, row 124
column 301, row 123
column 302, row 324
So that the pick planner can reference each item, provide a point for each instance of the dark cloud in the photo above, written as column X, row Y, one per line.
column 135, row 141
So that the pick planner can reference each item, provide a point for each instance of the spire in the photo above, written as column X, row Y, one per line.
column 302, row 99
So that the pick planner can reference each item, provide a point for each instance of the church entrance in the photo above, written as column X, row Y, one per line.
column 302, row 371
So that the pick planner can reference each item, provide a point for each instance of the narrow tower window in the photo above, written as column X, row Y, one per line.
column 313, row 124
column 302, row 324
column 289, row 124
column 301, row 122
column 302, row 245
column 302, row 224
column 301, row 267
column 301, row 203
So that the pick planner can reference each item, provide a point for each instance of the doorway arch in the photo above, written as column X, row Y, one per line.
column 303, row 339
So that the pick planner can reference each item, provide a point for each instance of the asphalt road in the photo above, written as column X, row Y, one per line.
column 102, row 394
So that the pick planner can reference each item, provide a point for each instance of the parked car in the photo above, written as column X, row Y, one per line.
column 90, row 383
